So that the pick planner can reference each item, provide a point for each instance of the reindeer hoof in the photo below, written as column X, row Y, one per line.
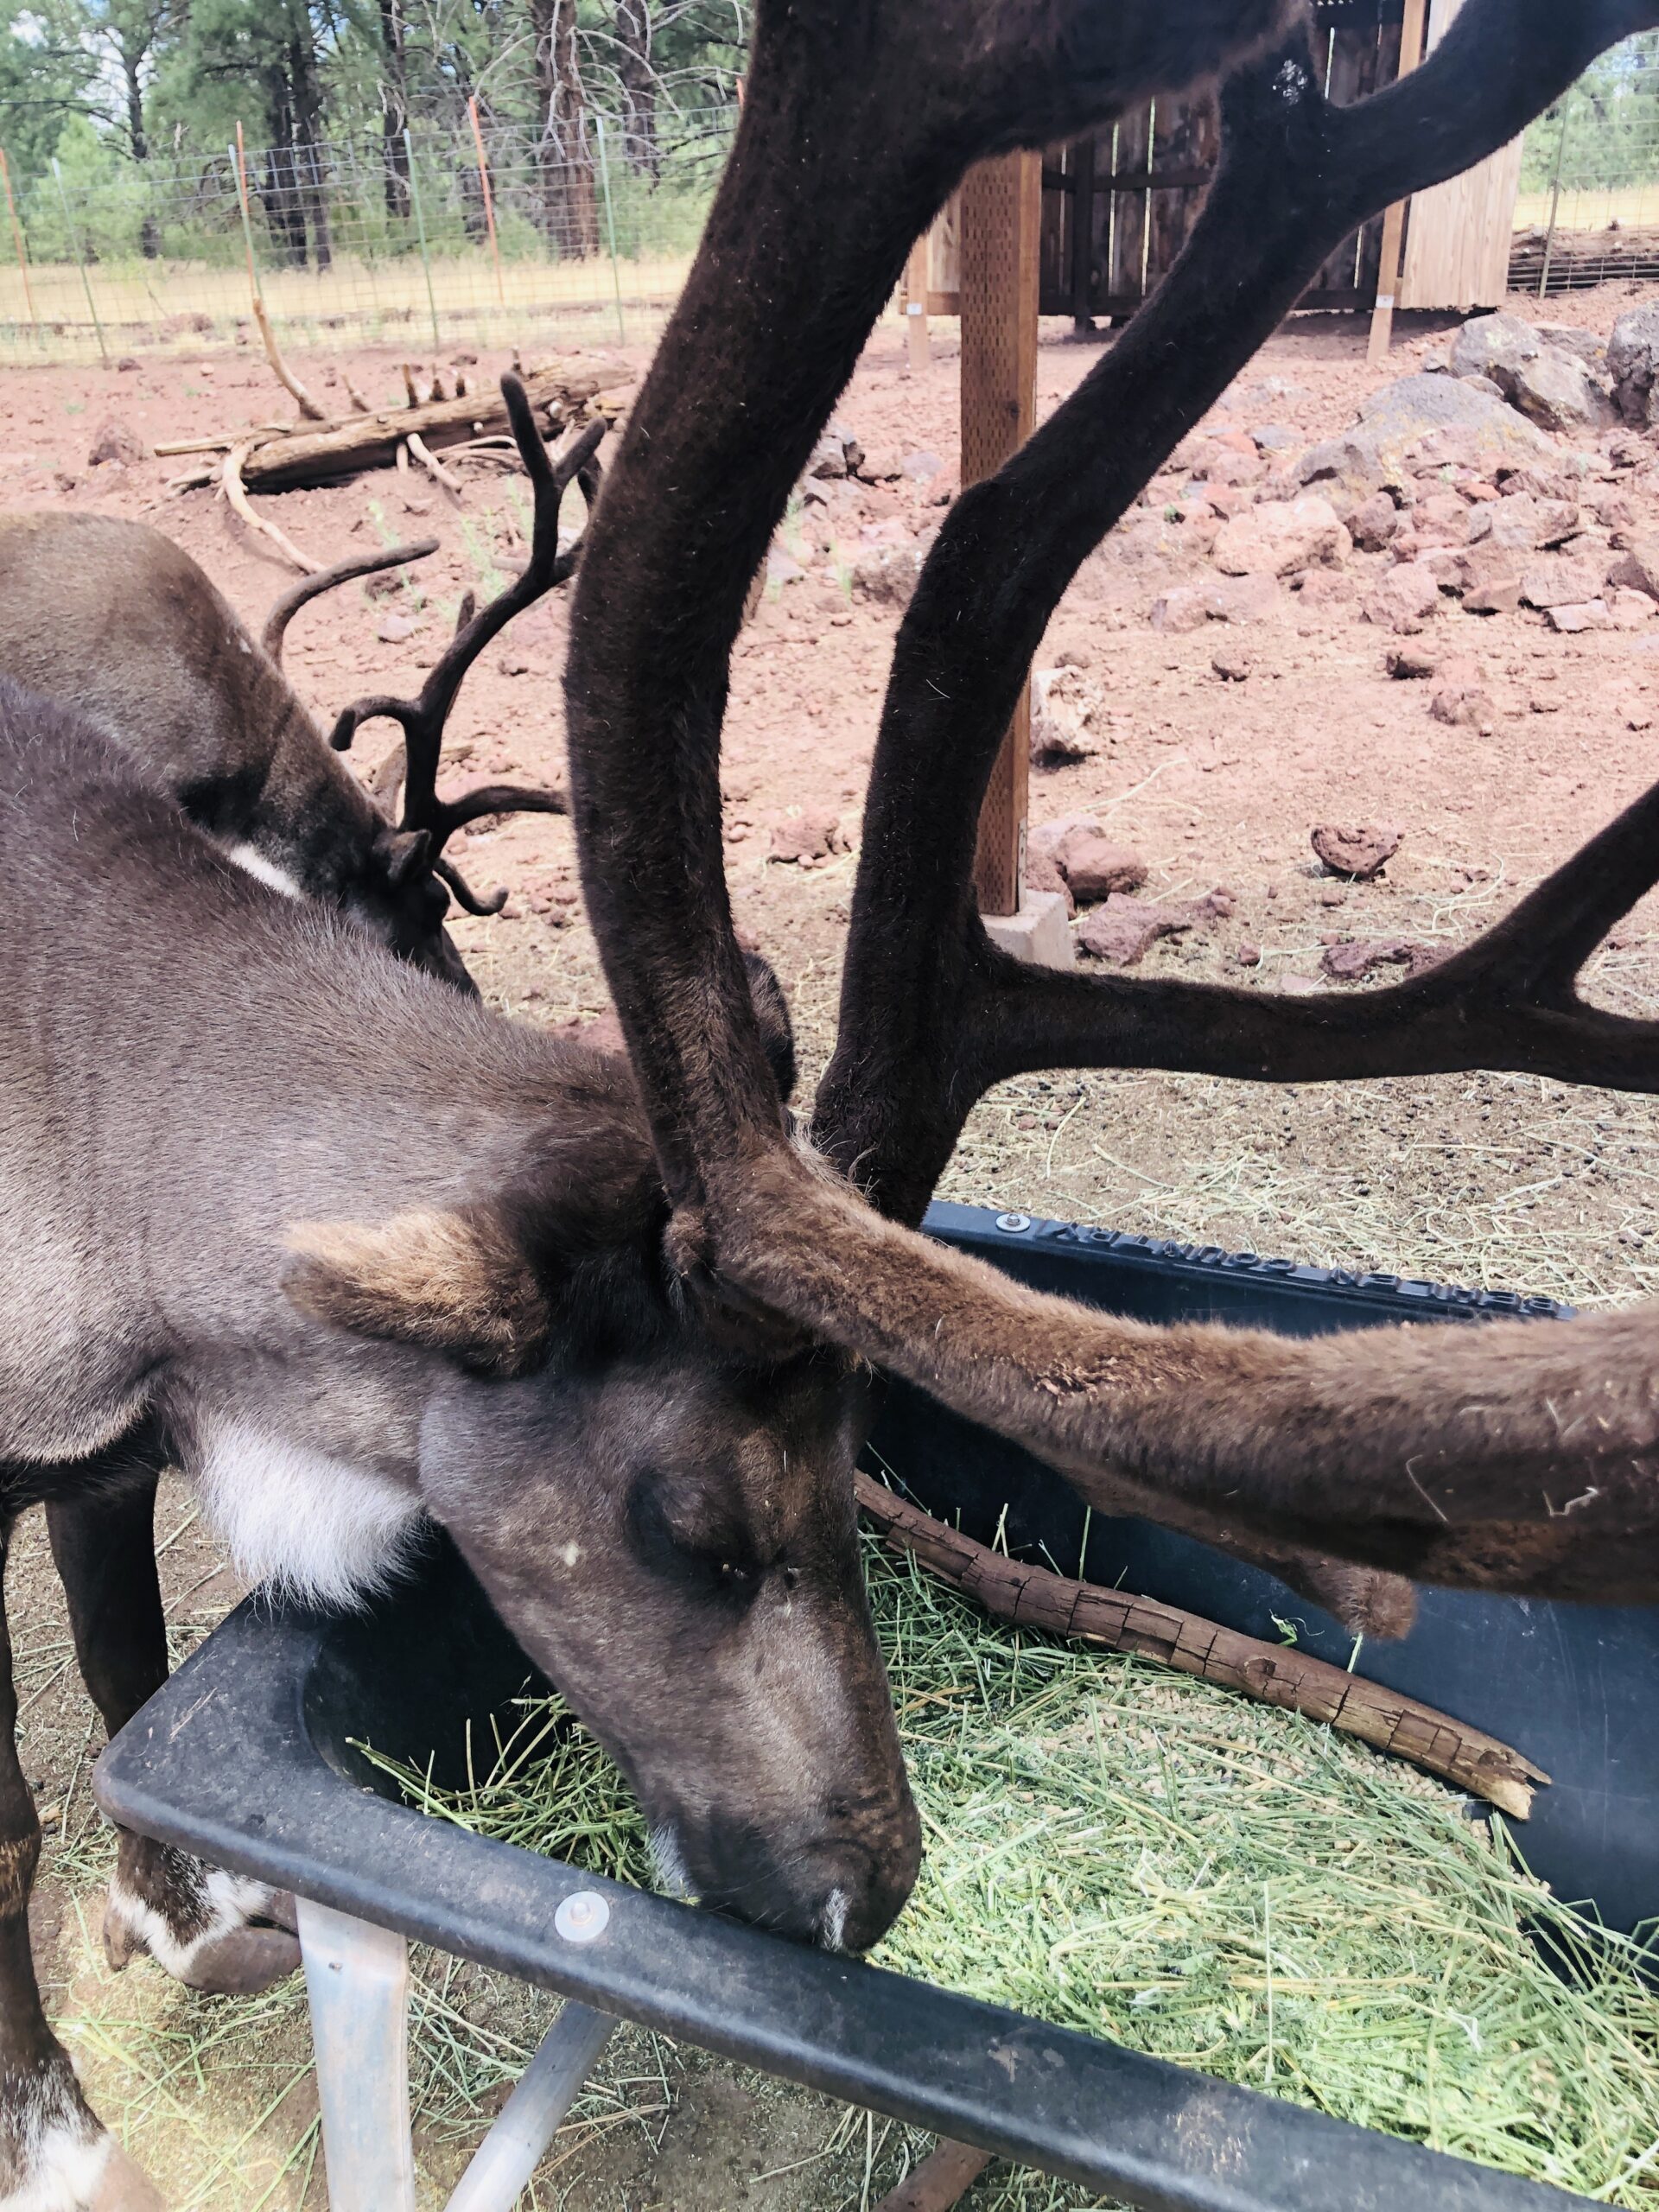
column 212, row 1930
column 244, row 1963
column 122, row 2187
column 121, row 1940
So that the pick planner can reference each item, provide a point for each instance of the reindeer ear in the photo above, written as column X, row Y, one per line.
column 404, row 853
column 455, row 1282
column 772, row 1012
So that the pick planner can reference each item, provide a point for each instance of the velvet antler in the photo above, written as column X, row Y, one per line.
column 1517, row 1457
column 301, row 595
column 423, row 719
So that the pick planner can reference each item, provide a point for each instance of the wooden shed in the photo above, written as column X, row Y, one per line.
column 1117, row 207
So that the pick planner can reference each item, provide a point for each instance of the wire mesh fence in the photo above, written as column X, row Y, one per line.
column 1588, row 210
column 421, row 235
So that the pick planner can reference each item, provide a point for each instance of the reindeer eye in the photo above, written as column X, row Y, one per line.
column 663, row 1526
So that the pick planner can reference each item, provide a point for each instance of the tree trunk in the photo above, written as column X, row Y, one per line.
column 471, row 185
column 308, row 145
column 150, row 239
column 564, row 164
column 312, row 455
column 394, row 93
column 285, row 216
column 634, row 66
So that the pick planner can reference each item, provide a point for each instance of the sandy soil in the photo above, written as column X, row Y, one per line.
column 1493, row 1179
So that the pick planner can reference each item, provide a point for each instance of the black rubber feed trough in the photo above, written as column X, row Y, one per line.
column 245, row 1757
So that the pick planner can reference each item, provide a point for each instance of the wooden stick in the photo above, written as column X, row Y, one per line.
column 1393, row 223
column 943, row 2179
column 284, row 375
column 434, row 467
column 230, row 478
column 194, row 445
column 489, row 201
column 1033, row 1597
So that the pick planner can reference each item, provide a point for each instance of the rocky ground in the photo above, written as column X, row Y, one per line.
column 1414, row 611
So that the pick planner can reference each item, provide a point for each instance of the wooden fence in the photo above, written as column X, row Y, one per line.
column 1117, row 207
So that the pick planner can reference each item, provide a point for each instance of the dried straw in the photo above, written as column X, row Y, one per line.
column 1141, row 1856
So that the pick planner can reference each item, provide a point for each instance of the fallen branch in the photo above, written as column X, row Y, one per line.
column 193, row 445
column 1034, row 1596
column 434, row 467
column 284, row 375
column 229, row 479
column 302, row 457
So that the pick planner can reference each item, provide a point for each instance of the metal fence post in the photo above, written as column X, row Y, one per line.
column 1554, row 202
column 23, row 256
column 74, row 242
column 420, row 232
column 610, row 226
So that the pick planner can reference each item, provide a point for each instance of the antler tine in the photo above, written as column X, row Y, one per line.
column 309, row 587
column 423, row 719
column 504, row 799
column 466, row 897
column 423, row 727
column 350, row 719
column 490, row 798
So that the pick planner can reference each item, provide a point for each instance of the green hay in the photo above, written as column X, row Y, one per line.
column 1145, row 1857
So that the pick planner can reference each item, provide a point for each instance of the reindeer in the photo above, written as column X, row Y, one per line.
column 114, row 619
column 469, row 1322
column 608, row 1321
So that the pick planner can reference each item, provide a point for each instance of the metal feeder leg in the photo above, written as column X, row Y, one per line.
column 357, row 1979
column 530, row 2118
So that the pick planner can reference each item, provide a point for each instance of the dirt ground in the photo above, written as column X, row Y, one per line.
column 1216, row 781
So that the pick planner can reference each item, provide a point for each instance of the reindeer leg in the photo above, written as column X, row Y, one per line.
column 212, row 1930
column 54, row 2154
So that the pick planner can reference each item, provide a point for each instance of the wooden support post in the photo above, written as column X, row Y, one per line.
column 916, row 274
column 1001, row 226
column 1393, row 223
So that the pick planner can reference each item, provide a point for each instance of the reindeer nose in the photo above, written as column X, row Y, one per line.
column 866, row 1879
column 840, row 1883
column 858, row 1911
